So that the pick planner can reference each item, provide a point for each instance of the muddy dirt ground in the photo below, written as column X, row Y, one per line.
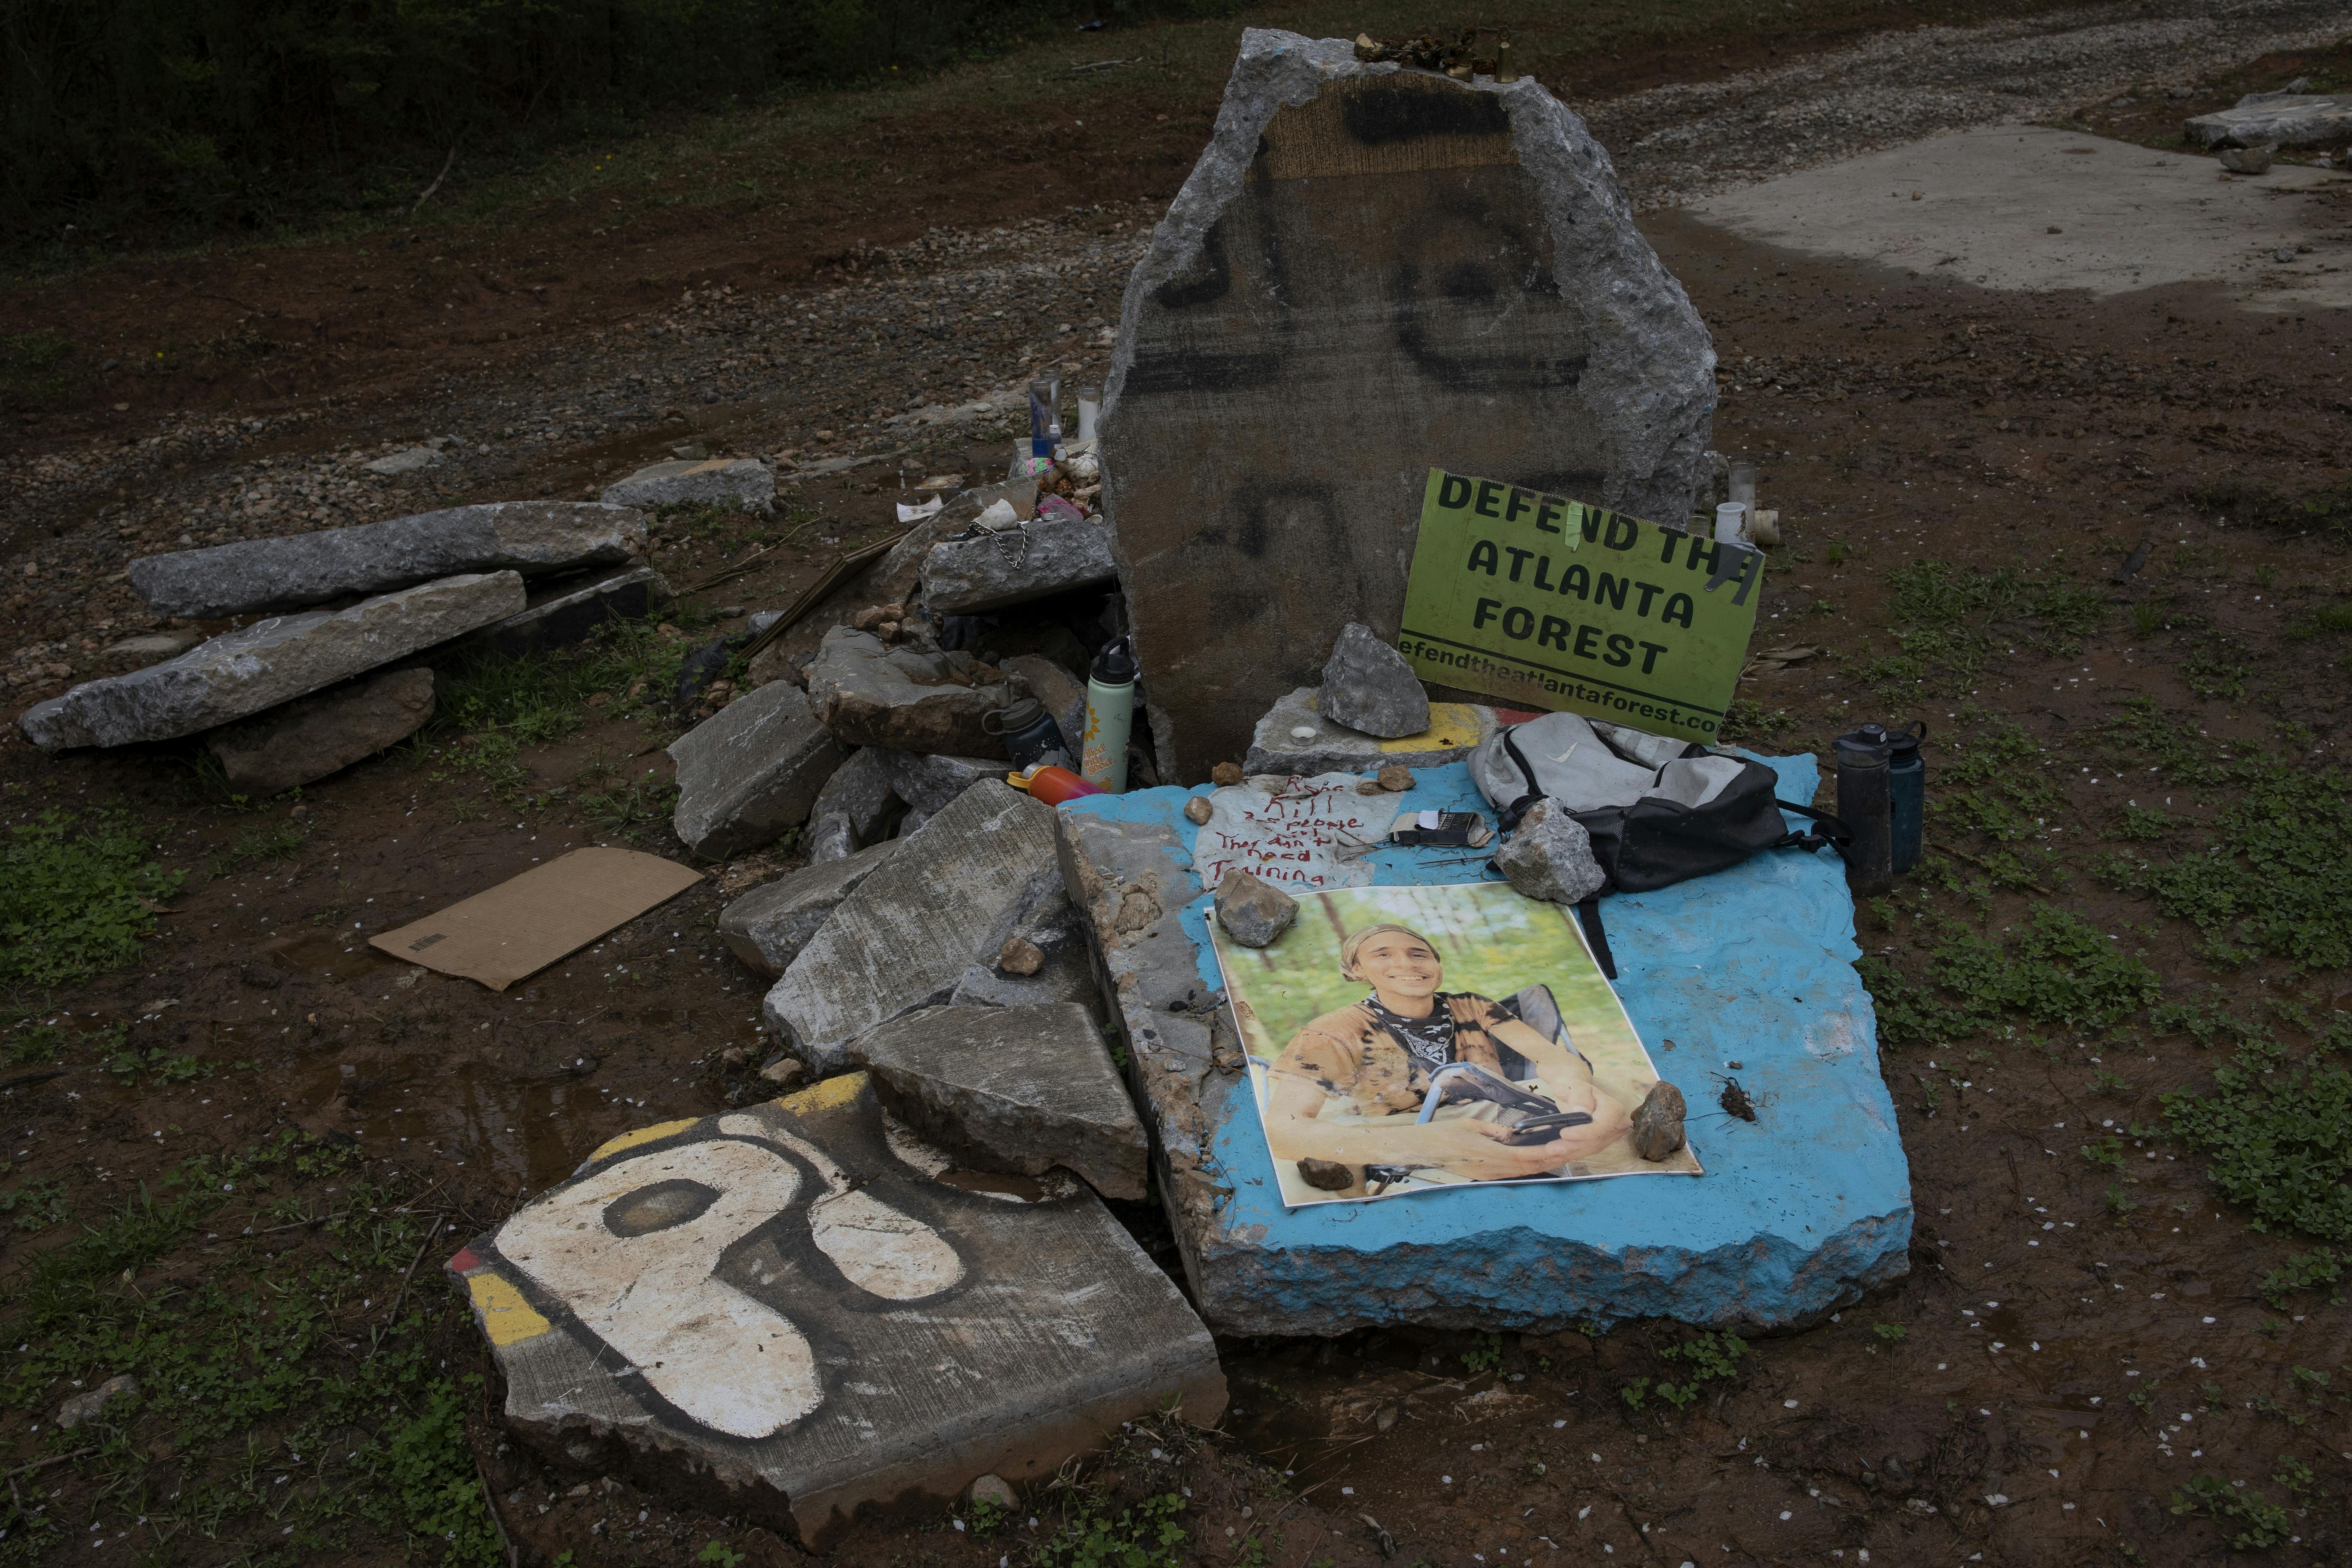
column 2077, row 1339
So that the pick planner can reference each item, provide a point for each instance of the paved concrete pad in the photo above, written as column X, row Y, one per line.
column 784, row 1313
column 2127, row 217
column 1798, row 1212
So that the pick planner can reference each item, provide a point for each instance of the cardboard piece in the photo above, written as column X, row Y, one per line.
column 525, row 923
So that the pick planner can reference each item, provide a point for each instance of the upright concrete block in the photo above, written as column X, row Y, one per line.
column 536, row 538
column 785, row 1313
column 1371, row 271
column 1021, row 1089
column 955, row 889
column 240, row 673
column 324, row 733
column 1798, row 1213
column 750, row 771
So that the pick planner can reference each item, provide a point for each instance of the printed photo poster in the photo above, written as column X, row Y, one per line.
column 1406, row 1039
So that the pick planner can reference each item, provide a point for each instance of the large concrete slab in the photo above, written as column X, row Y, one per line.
column 1371, row 271
column 786, row 1313
column 275, row 661
column 951, row 894
column 535, row 538
column 750, row 771
column 1044, row 556
column 1798, row 1212
column 2028, row 208
column 1021, row 1089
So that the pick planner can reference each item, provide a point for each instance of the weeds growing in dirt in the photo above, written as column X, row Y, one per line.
column 2263, row 1523
column 2303, row 1272
column 2326, row 511
column 77, row 893
column 1145, row 1536
column 2057, row 969
column 1944, row 618
column 2277, row 1136
column 280, row 1408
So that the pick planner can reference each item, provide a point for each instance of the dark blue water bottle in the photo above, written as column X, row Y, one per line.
column 1906, row 792
column 1864, row 807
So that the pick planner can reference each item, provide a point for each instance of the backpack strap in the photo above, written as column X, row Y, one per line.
column 1833, row 832
column 1508, row 818
column 1596, row 935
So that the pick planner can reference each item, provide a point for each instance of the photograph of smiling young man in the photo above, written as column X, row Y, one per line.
column 1405, row 1039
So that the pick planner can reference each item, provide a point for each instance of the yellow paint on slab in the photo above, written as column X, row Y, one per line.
column 1450, row 724
column 824, row 1096
column 640, row 1135
column 506, row 1317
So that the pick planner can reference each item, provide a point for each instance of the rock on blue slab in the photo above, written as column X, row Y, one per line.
column 1798, row 1212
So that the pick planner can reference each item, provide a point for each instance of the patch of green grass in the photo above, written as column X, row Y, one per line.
column 2269, row 879
column 2277, row 1136
column 2303, row 1272
column 1944, row 619
column 269, row 841
column 2261, row 1523
column 2217, row 667
column 2141, row 825
column 1748, row 722
column 36, row 1205
column 488, row 711
column 77, row 893
column 1484, row 1354
column 2056, row 969
column 283, row 1416
column 1709, row 1358
column 1146, row 1536
column 152, row 1066
column 2328, row 620
column 1994, row 779
column 33, row 367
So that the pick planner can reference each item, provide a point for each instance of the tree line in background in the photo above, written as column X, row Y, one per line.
column 167, row 118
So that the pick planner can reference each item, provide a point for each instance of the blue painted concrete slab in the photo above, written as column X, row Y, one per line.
column 1798, row 1213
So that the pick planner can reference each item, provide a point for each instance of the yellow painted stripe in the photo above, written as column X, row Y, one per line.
column 1450, row 724
column 641, row 1135
column 506, row 1317
column 824, row 1096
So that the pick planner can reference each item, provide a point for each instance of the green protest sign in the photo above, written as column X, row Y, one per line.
column 1565, row 607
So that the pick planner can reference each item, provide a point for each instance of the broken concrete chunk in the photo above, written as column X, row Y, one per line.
column 1295, row 737
column 321, row 734
column 1016, row 1089
column 829, row 837
column 1046, row 556
column 1549, row 856
column 861, row 791
column 536, row 538
column 786, row 1313
column 956, row 889
column 1065, row 970
column 743, row 482
column 2255, row 160
column 767, row 927
column 1254, row 910
column 2280, row 119
column 1304, row 314
column 84, row 1406
column 239, row 673
column 929, row 782
column 1368, row 686
column 870, row 694
column 562, row 613
column 408, row 460
column 750, row 771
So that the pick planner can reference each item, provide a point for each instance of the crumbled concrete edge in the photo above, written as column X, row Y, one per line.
column 1182, row 1061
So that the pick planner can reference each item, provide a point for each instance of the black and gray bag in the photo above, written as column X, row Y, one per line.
column 1659, row 811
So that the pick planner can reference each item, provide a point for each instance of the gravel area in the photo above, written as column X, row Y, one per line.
column 935, row 338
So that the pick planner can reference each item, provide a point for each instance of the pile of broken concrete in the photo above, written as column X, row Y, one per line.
column 320, row 664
